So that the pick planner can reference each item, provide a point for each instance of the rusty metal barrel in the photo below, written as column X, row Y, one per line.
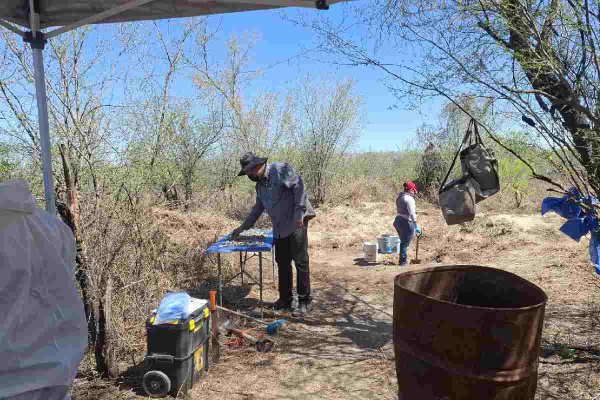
column 466, row 332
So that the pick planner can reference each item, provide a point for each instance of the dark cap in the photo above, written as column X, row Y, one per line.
column 248, row 161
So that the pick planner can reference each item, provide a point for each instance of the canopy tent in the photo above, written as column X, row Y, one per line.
column 35, row 15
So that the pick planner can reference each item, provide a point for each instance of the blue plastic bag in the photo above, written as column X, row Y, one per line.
column 575, row 228
column 173, row 307
column 580, row 221
column 563, row 206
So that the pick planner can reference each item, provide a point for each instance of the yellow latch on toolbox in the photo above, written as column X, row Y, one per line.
column 195, row 328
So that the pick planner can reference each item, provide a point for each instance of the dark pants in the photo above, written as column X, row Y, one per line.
column 406, row 232
column 293, row 247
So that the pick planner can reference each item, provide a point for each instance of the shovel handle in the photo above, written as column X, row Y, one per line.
column 260, row 321
column 417, row 249
column 243, row 334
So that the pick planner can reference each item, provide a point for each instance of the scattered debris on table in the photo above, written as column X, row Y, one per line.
column 240, row 243
column 250, row 237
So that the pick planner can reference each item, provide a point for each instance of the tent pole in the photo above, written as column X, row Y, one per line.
column 37, row 46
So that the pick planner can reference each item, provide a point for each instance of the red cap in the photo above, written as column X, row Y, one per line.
column 410, row 186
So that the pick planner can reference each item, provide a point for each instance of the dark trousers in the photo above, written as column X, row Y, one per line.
column 406, row 232
column 293, row 247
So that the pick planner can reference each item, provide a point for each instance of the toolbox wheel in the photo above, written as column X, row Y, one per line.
column 156, row 384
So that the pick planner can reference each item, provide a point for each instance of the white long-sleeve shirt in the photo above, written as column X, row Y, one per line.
column 406, row 207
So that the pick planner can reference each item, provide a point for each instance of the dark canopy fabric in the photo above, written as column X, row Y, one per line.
column 64, row 12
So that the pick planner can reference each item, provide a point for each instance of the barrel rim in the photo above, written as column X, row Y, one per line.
column 444, row 267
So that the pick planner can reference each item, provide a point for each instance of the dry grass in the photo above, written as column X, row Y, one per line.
column 348, row 353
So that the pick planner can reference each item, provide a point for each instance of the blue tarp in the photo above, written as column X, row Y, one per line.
column 267, row 245
column 580, row 220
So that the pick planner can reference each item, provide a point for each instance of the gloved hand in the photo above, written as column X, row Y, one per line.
column 418, row 229
column 236, row 232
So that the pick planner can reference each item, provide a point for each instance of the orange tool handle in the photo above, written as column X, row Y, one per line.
column 212, row 295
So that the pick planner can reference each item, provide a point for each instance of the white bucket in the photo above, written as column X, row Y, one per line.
column 370, row 250
column 383, row 242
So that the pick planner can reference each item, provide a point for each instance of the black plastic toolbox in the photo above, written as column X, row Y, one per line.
column 177, row 354
column 178, row 339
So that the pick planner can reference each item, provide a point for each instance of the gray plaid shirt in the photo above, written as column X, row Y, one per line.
column 281, row 194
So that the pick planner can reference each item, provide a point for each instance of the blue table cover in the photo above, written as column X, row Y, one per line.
column 267, row 245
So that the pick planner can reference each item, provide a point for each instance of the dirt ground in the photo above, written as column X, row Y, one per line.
column 343, row 350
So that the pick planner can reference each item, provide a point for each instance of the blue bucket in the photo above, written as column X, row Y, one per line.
column 394, row 244
column 384, row 244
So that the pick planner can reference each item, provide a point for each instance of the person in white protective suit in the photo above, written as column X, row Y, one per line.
column 43, row 331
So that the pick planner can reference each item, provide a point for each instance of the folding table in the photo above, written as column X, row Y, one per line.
column 266, row 245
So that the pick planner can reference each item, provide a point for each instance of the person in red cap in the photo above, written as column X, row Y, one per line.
column 406, row 219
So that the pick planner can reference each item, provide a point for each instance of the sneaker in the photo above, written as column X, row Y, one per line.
column 304, row 307
column 281, row 305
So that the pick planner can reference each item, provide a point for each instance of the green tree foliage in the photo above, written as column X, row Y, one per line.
column 329, row 121
column 7, row 167
column 515, row 175
column 431, row 170
column 535, row 62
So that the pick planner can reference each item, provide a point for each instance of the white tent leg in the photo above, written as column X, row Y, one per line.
column 42, row 102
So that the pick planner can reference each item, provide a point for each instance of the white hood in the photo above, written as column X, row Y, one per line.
column 16, row 196
column 43, row 334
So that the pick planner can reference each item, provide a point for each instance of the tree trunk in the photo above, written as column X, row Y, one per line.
column 104, row 348
column 171, row 196
column 99, row 321
column 70, row 215
column 187, row 190
column 541, row 76
column 518, row 198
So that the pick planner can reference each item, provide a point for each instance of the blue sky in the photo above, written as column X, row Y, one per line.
column 282, row 53
column 389, row 124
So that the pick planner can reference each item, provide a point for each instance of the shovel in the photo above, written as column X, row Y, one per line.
column 262, row 345
column 416, row 260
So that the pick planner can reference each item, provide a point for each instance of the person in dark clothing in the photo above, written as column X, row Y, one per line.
column 280, row 192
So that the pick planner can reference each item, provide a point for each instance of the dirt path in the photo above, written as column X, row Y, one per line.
column 349, row 354
column 344, row 349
